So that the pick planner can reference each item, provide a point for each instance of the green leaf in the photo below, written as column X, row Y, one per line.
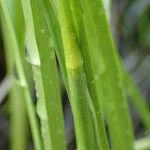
column 84, row 39
column 45, row 76
column 78, row 92
column 18, row 117
column 137, row 100
column 22, row 79
column 108, row 73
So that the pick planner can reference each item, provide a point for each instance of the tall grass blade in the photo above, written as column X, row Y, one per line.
column 22, row 80
column 45, row 76
column 108, row 73
column 90, row 72
column 50, row 13
column 78, row 92
column 138, row 100
column 18, row 117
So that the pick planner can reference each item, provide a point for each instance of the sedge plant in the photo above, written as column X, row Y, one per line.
column 77, row 33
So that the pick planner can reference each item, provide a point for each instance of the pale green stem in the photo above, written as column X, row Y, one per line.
column 22, row 83
column 18, row 130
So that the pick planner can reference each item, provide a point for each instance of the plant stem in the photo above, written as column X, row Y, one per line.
column 18, row 118
column 22, row 80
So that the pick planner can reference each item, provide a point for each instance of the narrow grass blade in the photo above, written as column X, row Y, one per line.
column 90, row 72
column 138, row 100
column 79, row 96
column 108, row 75
column 22, row 80
column 45, row 76
column 136, row 97
column 18, row 117
column 49, row 67
column 51, row 16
